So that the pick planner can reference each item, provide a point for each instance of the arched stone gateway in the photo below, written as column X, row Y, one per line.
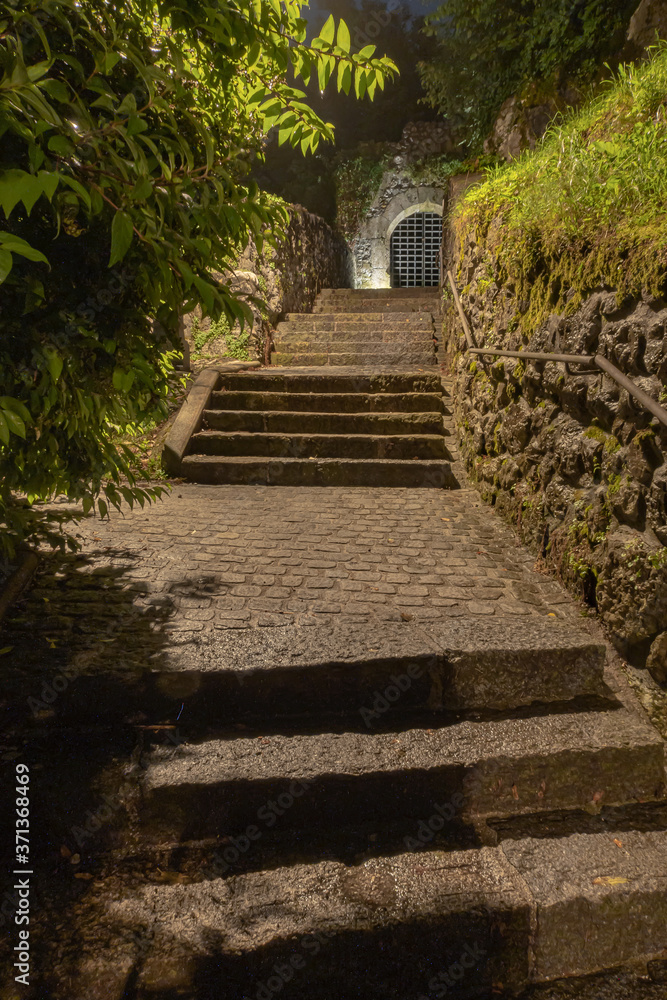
column 413, row 217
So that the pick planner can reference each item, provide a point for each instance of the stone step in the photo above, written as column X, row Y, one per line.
column 436, row 474
column 383, row 305
column 279, row 422
column 419, row 924
column 329, row 402
column 395, row 355
column 290, row 342
column 492, row 769
column 360, row 321
column 384, row 446
column 321, row 382
column 349, row 339
column 342, row 668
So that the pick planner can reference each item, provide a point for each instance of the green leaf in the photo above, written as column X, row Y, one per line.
column 328, row 31
column 343, row 39
column 6, row 261
column 4, row 430
column 253, row 54
column 366, row 52
column 103, row 507
column 142, row 190
column 54, row 362
column 56, row 89
column 206, row 291
column 344, row 77
column 16, row 186
column 121, row 237
column 49, row 181
column 9, row 403
column 16, row 245
column 61, row 146
column 14, row 423
column 136, row 125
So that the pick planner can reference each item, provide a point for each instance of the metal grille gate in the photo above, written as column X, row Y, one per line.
column 415, row 246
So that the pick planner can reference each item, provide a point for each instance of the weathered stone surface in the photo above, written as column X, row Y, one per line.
column 570, row 458
column 245, row 453
column 599, row 900
column 657, row 659
column 497, row 767
column 328, row 928
column 285, row 278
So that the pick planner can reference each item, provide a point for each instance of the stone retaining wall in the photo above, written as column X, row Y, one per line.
column 286, row 278
column 568, row 457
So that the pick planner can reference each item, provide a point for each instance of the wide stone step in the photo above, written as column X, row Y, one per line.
column 321, row 382
column 360, row 321
column 349, row 339
column 493, row 768
column 406, row 446
column 278, row 422
column 329, row 402
column 391, row 306
column 436, row 474
column 419, row 924
column 375, row 680
column 290, row 342
column 395, row 355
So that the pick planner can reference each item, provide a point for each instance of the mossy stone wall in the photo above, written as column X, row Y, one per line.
column 565, row 454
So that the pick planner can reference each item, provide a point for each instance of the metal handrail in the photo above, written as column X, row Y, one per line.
column 658, row 411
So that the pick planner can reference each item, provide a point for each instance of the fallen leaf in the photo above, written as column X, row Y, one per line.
column 445, row 519
column 6, row 649
column 65, row 851
column 551, row 615
column 85, row 875
column 610, row 880
column 75, row 859
column 406, row 618
column 619, row 843
column 515, row 791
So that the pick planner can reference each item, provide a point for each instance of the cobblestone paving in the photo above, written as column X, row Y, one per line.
column 232, row 557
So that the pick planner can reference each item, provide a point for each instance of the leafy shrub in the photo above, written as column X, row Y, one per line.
column 127, row 134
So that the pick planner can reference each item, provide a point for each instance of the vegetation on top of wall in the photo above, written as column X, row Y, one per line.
column 357, row 181
column 436, row 171
column 488, row 51
column 588, row 208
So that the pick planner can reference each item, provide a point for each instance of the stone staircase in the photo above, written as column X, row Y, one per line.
column 319, row 803
column 379, row 327
column 324, row 428
column 449, row 808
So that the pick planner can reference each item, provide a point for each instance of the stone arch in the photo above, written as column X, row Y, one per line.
column 373, row 241
column 425, row 206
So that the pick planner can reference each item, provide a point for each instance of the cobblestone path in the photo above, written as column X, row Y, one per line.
column 272, row 556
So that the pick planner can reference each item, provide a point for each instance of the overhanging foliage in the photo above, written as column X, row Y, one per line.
column 127, row 133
